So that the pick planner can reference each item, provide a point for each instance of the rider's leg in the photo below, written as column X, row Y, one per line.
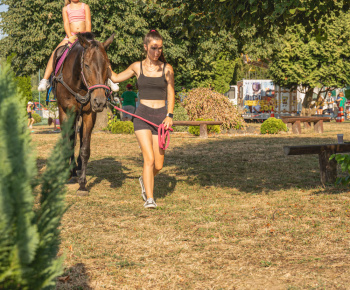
column 44, row 83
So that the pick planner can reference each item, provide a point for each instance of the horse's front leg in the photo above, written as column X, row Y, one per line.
column 88, row 124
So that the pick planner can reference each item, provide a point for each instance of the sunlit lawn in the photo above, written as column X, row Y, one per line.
column 233, row 212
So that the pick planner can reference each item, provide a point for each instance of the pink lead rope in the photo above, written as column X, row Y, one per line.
column 163, row 134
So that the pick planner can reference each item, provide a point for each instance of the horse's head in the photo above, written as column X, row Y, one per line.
column 95, row 70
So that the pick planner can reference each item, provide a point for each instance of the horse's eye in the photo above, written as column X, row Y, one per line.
column 86, row 66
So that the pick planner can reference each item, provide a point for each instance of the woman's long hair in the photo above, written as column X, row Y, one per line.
column 154, row 34
column 66, row 2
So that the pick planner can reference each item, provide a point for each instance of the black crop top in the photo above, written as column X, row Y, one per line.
column 152, row 88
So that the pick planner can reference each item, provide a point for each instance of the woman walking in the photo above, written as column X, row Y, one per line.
column 155, row 82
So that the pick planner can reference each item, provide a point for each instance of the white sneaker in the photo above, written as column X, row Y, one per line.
column 143, row 190
column 114, row 86
column 44, row 84
column 150, row 203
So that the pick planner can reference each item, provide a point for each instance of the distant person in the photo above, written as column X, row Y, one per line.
column 319, row 105
column 129, row 99
column 330, row 104
column 30, row 116
column 341, row 101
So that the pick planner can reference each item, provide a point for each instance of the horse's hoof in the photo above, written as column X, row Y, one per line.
column 82, row 192
column 72, row 180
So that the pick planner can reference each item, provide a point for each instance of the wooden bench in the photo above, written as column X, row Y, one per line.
column 328, row 168
column 295, row 123
column 203, row 126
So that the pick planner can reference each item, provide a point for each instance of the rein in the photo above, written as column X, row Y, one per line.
column 163, row 134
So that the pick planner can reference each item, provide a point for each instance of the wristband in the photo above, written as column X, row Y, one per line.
column 170, row 115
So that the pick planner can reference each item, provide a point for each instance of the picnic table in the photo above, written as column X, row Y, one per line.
column 295, row 123
column 328, row 168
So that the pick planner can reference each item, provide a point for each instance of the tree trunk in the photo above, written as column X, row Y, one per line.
column 306, row 110
column 102, row 119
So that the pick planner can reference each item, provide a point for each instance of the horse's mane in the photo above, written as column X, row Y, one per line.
column 88, row 35
column 91, row 38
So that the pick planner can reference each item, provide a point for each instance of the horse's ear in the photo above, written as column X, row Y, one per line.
column 108, row 41
column 83, row 41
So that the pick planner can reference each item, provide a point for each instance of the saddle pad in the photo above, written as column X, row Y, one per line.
column 63, row 56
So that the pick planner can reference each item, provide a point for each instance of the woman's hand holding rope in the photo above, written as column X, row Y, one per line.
column 168, row 123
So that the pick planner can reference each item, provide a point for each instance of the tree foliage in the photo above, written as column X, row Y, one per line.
column 23, row 84
column 224, row 69
column 300, row 59
column 238, row 16
column 29, row 239
column 193, row 58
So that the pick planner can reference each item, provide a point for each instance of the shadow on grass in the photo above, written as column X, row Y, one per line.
column 106, row 169
column 46, row 130
column 75, row 277
column 249, row 164
column 164, row 185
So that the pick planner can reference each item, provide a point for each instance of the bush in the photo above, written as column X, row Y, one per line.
column 194, row 130
column 272, row 126
column 180, row 114
column 344, row 161
column 120, row 127
column 37, row 118
column 207, row 104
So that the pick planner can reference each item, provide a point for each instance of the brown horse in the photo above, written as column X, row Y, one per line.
column 80, row 86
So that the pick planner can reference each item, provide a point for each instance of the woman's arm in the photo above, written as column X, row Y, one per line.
column 169, row 76
column 66, row 21
column 87, row 18
column 125, row 75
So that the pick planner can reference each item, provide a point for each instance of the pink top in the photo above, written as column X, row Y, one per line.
column 76, row 15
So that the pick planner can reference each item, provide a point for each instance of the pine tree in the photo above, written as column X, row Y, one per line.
column 29, row 239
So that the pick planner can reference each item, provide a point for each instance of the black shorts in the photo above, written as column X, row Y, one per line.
column 156, row 116
column 30, row 115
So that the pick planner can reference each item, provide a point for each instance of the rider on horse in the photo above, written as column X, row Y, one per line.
column 76, row 18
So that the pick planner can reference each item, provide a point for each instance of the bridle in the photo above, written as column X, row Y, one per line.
column 82, row 100
column 93, row 87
